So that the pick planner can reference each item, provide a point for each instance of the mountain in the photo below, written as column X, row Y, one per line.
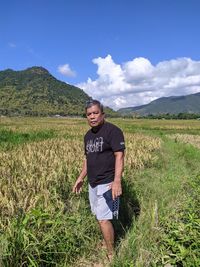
column 35, row 92
column 164, row 105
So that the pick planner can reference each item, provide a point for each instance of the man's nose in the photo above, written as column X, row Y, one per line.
column 92, row 116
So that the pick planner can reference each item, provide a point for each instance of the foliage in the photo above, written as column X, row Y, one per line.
column 179, row 116
column 181, row 237
column 35, row 92
column 167, row 232
column 43, row 224
column 174, row 105
column 186, row 138
column 9, row 138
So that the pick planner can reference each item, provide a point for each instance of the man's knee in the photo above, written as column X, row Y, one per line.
column 103, row 222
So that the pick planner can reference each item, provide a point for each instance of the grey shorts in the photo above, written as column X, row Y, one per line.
column 102, row 204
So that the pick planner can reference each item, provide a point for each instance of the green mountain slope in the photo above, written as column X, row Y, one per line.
column 35, row 92
column 164, row 105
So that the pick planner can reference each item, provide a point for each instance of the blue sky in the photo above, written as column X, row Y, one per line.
column 122, row 52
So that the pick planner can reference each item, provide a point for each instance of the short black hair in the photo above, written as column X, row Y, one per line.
column 93, row 102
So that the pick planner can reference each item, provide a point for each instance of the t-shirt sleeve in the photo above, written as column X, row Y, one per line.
column 117, row 141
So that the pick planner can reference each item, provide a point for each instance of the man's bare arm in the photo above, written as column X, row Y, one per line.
column 79, row 182
column 119, row 166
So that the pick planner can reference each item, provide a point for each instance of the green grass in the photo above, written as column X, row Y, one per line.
column 39, row 238
column 168, row 227
column 159, row 217
column 10, row 139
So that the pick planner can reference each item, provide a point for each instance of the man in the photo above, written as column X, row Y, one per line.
column 103, row 165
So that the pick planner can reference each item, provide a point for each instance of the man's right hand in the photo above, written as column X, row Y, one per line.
column 78, row 186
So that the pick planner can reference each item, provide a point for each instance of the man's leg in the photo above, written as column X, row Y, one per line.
column 108, row 235
column 105, row 209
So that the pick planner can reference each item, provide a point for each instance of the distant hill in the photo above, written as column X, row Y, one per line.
column 35, row 92
column 164, row 105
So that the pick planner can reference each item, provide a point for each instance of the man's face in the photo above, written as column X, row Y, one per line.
column 94, row 116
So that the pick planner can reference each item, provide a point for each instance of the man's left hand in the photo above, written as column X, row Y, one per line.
column 116, row 189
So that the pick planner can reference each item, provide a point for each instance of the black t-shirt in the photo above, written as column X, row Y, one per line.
column 100, row 145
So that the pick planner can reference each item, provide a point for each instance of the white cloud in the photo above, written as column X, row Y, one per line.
column 138, row 82
column 138, row 69
column 66, row 70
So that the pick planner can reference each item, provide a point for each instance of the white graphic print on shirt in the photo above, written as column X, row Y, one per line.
column 95, row 145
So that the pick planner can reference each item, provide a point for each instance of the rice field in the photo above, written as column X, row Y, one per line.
column 43, row 223
column 187, row 139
